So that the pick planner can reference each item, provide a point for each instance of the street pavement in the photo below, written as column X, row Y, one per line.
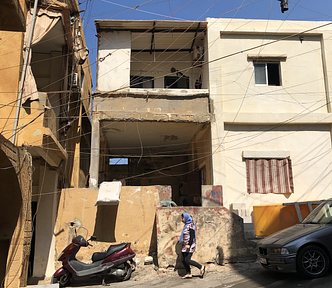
column 239, row 275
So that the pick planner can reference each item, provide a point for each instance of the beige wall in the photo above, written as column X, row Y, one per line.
column 15, row 214
column 292, row 117
column 310, row 152
column 132, row 220
column 302, row 75
column 113, row 72
column 11, row 52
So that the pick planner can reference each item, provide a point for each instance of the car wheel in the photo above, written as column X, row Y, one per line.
column 312, row 262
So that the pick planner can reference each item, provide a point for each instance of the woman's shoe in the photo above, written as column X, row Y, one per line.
column 187, row 276
column 202, row 272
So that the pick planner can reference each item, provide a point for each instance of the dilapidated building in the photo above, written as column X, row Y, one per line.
column 45, row 87
column 241, row 104
column 152, row 107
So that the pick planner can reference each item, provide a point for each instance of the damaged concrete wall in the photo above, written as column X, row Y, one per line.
column 220, row 236
column 113, row 69
column 201, row 154
column 152, row 108
column 15, row 214
column 212, row 196
column 132, row 220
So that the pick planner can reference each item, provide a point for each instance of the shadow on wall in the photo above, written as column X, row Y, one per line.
column 105, row 223
column 178, row 264
column 153, row 242
column 10, row 207
column 220, row 258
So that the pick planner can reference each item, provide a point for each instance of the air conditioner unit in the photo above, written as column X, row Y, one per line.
column 75, row 80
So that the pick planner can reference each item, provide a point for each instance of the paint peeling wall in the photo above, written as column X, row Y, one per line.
column 132, row 220
column 162, row 107
column 212, row 196
column 220, row 236
column 15, row 212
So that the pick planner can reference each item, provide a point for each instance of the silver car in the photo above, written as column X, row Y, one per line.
column 305, row 248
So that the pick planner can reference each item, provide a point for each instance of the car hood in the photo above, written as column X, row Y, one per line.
column 289, row 234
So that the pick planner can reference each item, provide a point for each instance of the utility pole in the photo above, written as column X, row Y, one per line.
column 283, row 5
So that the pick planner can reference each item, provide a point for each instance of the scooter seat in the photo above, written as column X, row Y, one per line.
column 97, row 256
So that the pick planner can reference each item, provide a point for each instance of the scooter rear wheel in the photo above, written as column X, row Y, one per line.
column 128, row 271
column 64, row 279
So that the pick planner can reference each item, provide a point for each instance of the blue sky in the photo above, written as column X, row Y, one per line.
column 194, row 10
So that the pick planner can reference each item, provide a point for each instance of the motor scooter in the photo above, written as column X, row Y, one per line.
column 117, row 260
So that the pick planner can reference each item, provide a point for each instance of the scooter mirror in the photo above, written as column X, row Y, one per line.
column 93, row 238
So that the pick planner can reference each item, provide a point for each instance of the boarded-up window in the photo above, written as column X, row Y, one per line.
column 269, row 176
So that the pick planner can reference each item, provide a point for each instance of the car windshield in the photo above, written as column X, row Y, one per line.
column 322, row 214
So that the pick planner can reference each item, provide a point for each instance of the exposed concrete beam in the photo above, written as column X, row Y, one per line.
column 158, row 117
column 154, row 93
column 160, row 50
column 157, row 30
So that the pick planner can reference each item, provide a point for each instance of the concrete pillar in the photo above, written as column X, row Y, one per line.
column 45, row 222
column 217, row 125
column 95, row 146
column 75, row 176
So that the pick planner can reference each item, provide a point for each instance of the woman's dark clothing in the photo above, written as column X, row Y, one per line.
column 186, row 260
column 188, row 238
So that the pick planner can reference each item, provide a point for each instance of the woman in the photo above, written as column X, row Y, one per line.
column 188, row 240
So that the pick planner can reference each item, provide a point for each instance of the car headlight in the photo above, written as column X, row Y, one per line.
column 284, row 251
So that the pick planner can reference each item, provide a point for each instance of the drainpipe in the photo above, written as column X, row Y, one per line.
column 19, row 98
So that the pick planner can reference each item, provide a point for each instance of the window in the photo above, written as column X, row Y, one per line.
column 176, row 82
column 141, row 82
column 267, row 74
column 269, row 175
column 82, row 78
column 118, row 161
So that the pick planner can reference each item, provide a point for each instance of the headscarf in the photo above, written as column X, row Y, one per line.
column 188, row 220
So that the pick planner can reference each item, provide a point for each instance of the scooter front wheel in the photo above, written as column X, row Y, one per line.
column 128, row 271
column 64, row 279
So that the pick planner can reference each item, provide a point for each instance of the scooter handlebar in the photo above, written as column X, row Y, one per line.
column 92, row 238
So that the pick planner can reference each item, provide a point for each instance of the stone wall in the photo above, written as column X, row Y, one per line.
column 220, row 236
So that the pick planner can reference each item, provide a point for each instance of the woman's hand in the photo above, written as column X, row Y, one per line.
column 187, row 246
